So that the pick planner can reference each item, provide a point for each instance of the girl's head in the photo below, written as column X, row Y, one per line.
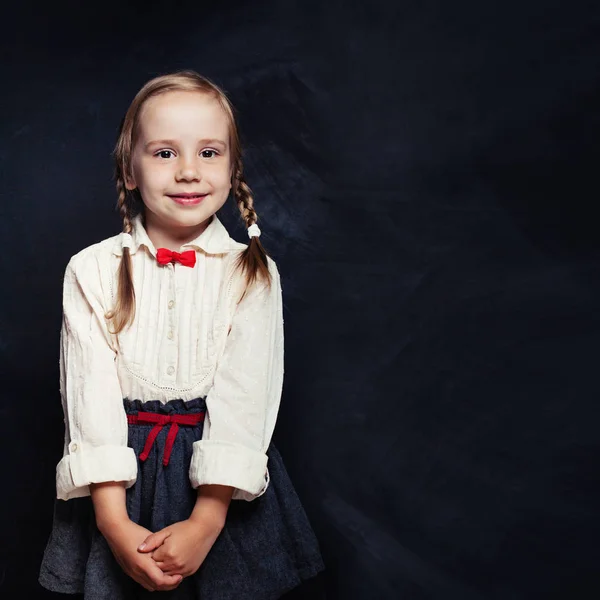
column 180, row 146
column 180, row 137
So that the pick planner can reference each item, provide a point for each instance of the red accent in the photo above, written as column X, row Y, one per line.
column 145, row 418
column 164, row 256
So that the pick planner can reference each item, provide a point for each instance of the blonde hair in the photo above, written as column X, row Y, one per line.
column 252, row 261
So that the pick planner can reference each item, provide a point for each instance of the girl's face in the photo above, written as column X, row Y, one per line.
column 181, row 159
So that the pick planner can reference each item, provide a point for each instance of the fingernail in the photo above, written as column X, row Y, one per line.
column 142, row 547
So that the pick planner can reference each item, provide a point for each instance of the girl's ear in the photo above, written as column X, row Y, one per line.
column 130, row 183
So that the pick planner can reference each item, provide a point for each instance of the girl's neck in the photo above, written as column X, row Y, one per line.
column 172, row 238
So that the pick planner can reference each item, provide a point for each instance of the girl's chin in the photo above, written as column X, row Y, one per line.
column 173, row 215
column 176, row 216
column 188, row 222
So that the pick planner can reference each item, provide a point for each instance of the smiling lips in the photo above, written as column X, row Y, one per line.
column 187, row 199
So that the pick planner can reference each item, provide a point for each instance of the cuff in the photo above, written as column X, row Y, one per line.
column 93, row 464
column 226, row 463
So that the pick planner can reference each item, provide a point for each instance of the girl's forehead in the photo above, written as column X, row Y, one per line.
column 182, row 113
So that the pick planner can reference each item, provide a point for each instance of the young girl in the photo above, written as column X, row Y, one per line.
column 171, row 378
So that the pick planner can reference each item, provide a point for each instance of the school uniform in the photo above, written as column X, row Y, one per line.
column 186, row 396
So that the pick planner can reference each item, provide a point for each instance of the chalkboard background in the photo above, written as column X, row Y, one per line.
column 425, row 176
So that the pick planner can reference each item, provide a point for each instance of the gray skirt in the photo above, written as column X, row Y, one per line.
column 266, row 548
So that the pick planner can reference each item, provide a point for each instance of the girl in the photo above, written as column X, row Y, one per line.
column 171, row 378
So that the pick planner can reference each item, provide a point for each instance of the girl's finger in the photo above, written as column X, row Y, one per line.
column 142, row 579
column 170, row 586
column 168, row 569
column 148, row 576
column 160, row 579
column 153, row 541
column 159, row 554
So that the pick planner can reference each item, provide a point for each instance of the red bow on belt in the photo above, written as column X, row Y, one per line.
column 164, row 256
column 144, row 418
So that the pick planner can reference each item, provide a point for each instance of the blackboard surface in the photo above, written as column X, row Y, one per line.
column 425, row 174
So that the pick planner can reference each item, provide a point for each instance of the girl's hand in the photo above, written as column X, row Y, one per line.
column 123, row 539
column 181, row 548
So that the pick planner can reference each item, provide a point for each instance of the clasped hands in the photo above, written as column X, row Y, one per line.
column 159, row 561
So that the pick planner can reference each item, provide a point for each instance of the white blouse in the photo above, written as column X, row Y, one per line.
column 190, row 339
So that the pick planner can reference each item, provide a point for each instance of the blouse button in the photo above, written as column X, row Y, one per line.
column 170, row 335
column 73, row 447
column 171, row 303
column 171, row 370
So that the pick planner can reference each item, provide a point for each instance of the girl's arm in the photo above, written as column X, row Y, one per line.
column 123, row 536
column 243, row 403
column 97, row 460
column 212, row 504
column 95, row 448
column 109, row 505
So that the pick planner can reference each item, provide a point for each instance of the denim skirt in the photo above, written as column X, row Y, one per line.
column 266, row 548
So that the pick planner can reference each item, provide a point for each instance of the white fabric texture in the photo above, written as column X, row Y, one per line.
column 190, row 338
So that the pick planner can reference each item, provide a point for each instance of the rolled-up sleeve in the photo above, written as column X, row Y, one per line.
column 95, row 448
column 243, row 403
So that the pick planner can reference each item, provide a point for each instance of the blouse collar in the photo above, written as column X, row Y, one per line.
column 213, row 240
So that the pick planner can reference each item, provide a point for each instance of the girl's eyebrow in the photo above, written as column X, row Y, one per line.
column 213, row 141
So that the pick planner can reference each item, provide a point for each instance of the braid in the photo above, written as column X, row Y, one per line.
column 122, row 205
column 243, row 196
column 253, row 260
column 124, row 310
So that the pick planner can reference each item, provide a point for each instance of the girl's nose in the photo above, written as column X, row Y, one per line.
column 188, row 171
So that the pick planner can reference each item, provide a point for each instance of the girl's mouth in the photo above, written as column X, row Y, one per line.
column 188, row 199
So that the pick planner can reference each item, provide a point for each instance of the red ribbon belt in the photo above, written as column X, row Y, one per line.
column 145, row 418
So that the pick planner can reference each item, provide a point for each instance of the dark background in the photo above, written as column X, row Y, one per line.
column 426, row 177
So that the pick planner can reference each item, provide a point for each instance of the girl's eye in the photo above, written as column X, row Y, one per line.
column 208, row 150
column 164, row 153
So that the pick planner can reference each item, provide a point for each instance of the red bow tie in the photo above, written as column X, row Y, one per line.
column 164, row 256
